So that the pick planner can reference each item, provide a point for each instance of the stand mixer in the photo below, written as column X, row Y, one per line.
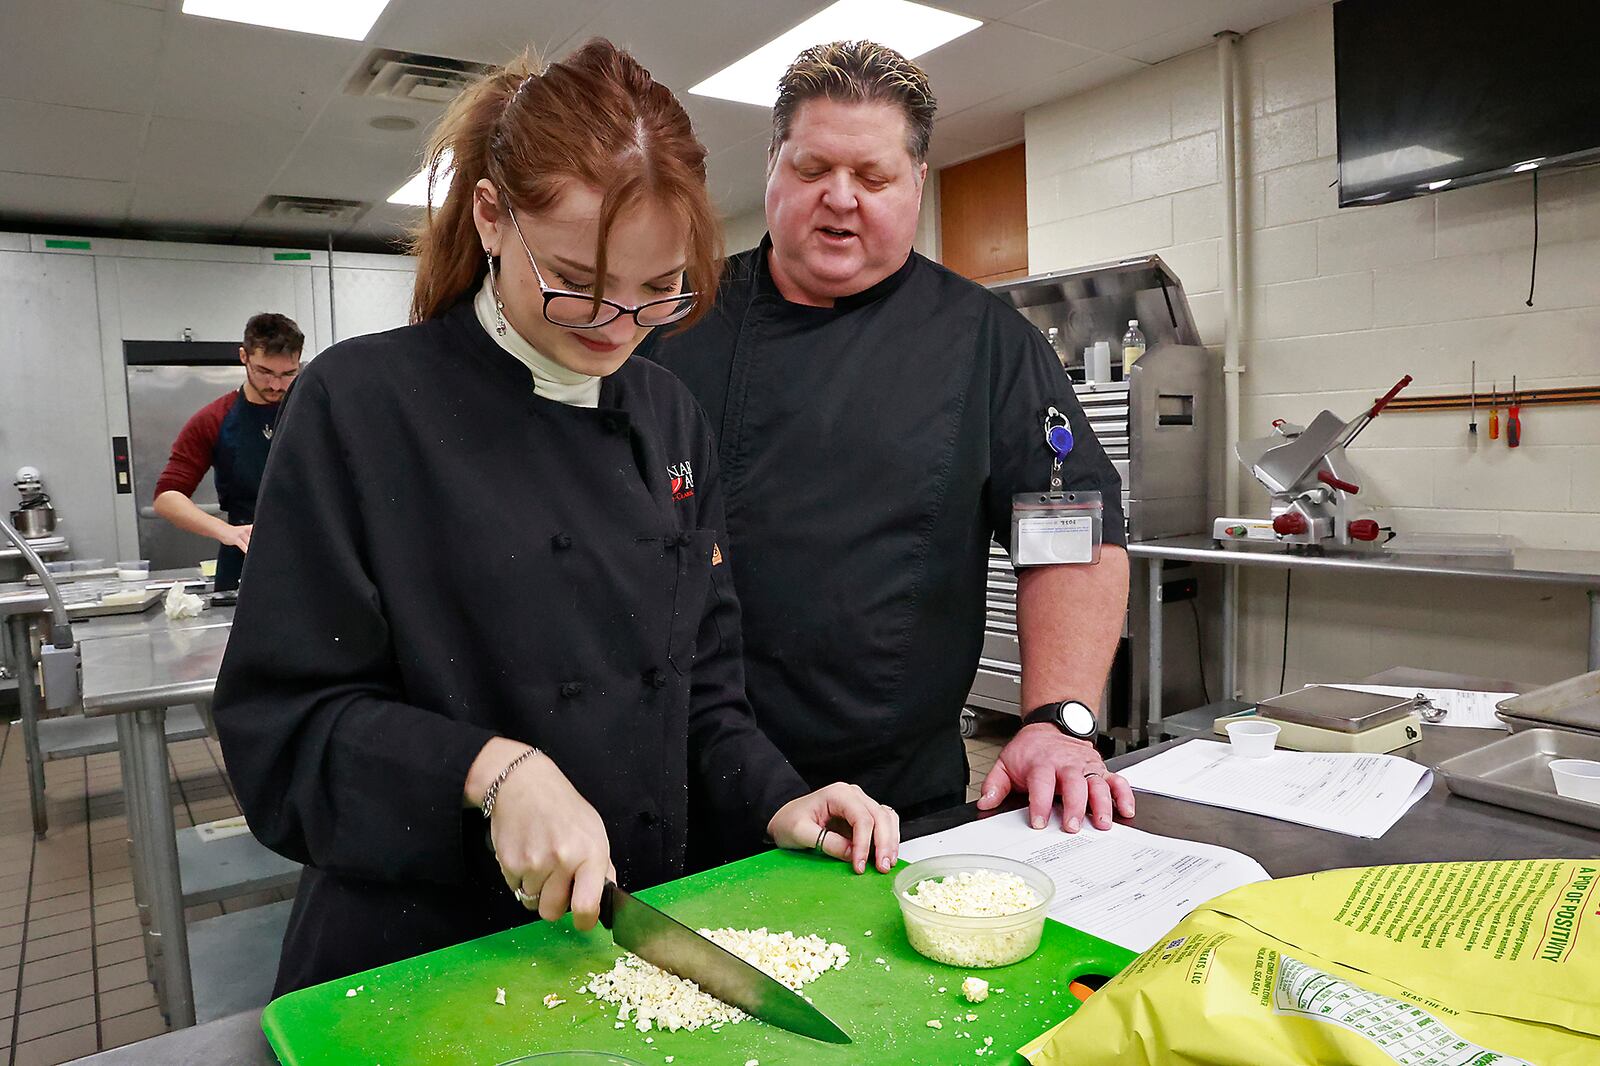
column 1312, row 482
column 34, row 517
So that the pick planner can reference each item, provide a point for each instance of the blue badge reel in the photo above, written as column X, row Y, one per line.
column 1056, row 527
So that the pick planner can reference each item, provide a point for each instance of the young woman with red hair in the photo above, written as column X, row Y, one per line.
column 487, row 573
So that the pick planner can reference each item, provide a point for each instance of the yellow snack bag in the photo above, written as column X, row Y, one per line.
column 1435, row 964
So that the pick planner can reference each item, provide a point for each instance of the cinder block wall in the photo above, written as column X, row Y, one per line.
column 1340, row 304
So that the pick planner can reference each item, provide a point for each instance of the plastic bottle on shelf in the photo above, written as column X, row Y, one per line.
column 1132, row 346
column 1053, row 335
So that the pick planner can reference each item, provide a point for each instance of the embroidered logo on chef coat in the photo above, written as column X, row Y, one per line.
column 682, row 475
column 716, row 554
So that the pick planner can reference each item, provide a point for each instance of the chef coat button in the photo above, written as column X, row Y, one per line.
column 684, row 540
column 611, row 423
column 647, row 818
column 656, row 678
column 561, row 541
column 570, row 689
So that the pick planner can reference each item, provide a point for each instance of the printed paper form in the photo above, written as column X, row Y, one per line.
column 1464, row 707
column 1359, row 795
column 1119, row 884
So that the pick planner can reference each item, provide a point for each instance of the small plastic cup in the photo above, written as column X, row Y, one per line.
column 208, row 568
column 1577, row 779
column 1253, row 738
column 133, row 570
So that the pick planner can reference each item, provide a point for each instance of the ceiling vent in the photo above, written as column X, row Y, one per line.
column 413, row 77
column 311, row 209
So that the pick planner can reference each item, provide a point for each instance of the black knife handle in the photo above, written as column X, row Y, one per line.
column 606, row 904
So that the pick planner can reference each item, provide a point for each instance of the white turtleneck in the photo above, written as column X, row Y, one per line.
column 550, row 379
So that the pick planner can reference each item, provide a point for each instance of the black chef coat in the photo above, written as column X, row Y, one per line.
column 870, row 450
column 441, row 557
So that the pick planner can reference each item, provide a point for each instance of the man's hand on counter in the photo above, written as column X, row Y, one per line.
column 1045, row 763
column 862, row 823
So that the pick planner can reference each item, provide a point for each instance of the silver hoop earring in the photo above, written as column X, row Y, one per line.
column 499, row 306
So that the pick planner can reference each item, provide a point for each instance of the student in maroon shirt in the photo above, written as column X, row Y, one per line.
column 231, row 439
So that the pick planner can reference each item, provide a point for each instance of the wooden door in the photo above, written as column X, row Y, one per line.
column 983, row 216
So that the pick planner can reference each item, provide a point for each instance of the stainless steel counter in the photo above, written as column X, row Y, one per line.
column 157, row 668
column 1579, row 569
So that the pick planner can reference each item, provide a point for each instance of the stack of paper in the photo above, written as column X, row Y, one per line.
column 1120, row 884
column 1359, row 795
column 1462, row 707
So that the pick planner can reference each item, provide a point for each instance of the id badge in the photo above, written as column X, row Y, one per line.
column 1051, row 528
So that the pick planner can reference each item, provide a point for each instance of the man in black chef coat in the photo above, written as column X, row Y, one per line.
column 876, row 413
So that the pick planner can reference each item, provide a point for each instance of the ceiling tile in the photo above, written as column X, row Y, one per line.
column 964, row 72
column 349, row 117
column 484, row 31
column 72, row 142
column 682, row 44
column 346, row 170
column 1108, row 25
column 218, row 154
column 26, row 196
column 984, row 9
column 107, row 60
column 191, row 203
column 228, row 72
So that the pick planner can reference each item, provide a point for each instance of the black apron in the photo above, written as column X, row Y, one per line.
column 237, row 462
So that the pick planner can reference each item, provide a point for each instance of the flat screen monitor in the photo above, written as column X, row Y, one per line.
column 1436, row 94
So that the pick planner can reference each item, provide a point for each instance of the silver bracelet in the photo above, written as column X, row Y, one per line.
column 493, row 790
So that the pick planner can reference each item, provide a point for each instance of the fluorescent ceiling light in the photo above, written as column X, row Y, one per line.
column 1532, row 164
column 1435, row 186
column 350, row 19
column 910, row 29
column 1412, row 161
column 415, row 193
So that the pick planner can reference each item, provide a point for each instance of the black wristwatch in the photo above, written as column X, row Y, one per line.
column 1074, row 719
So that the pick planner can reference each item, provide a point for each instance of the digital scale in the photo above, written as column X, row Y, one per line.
column 1324, row 718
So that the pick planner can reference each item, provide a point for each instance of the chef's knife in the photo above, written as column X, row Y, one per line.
column 663, row 941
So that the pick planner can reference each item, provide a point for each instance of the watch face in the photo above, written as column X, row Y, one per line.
column 1078, row 719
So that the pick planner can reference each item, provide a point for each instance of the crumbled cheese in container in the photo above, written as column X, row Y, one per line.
column 984, row 894
column 653, row 998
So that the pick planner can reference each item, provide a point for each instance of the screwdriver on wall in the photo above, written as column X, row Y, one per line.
column 1514, row 417
column 1494, row 412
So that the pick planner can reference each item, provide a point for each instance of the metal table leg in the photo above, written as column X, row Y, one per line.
column 1594, row 629
column 133, row 801
column 1154, row 717
column 1230, row 632
column 29, row 704
column 160, row 847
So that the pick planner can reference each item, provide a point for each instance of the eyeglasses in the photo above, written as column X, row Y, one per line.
column 287, row 377
column 575, row 310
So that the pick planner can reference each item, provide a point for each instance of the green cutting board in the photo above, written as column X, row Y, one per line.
column 440, row 1007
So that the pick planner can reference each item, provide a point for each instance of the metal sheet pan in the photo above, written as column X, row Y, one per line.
column 1570, row 704
column 1515, row 773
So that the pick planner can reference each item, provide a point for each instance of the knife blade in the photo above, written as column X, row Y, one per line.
column 663, row 941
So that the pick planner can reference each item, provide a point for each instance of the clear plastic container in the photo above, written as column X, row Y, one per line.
column 1577, row 779
column 1452, row 545
column 133, row 570
column 977, row 942
column 1253, row 738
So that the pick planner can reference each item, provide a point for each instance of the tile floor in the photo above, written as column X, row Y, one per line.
column 72, row 971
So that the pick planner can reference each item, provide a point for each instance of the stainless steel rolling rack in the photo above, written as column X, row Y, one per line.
column 1156, row 426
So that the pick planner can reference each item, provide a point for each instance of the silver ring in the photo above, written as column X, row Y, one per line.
column 1092, row 773
column 820, row 838
column 523, row 897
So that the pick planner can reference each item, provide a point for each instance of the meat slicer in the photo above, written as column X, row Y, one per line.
column 1313, row 483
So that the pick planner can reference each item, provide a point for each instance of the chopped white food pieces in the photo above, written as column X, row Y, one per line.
column 552, row 1001
column 976, row 989
column 974, row 894
column 660, row 1000
column 935, row 1023
column 500, row 997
